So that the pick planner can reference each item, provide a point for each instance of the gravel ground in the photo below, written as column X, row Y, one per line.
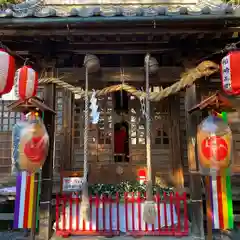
column 9, row 235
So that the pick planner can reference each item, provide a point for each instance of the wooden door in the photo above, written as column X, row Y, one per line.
column 99, row 136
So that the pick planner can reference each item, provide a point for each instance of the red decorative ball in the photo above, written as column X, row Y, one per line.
column 215, row 147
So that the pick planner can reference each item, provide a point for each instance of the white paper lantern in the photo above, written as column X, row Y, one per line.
column 7, row 70
column 26, row 80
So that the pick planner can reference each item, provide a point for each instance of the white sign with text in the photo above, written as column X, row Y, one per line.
column 71, row 184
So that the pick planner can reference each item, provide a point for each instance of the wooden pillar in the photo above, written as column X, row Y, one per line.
column 68, row 101
column 196, row 209
column 177, row 165
column 45, row 228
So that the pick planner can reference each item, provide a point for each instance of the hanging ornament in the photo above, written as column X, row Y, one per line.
column 95, row 114
column 26, row 79
column 7, row 70
column 214, row 143
column 230, row 73
column 30, row 144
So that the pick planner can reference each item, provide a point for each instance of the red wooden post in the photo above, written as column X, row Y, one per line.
column 171, row 212
column 158, row 212
column 77, row 213
column 90, row 217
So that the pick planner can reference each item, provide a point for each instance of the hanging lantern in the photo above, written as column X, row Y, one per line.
column 30, row 144
column 142, row 176
column 230, row 73
column 7, row 70
column 27, row 82
column 214, row 144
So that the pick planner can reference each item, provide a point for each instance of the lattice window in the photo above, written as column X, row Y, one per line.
column 105, row 124
column 8, row 119
column 78, row 124
column 137, row 122
column 160, row 124
column 59, row 110
column 161, row 137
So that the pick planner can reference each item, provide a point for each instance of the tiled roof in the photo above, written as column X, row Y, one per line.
column 36, row 8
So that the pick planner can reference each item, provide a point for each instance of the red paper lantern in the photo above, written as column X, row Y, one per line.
column 214, row 145
column 7, row 70
column 230, row 73
column 142, row 175
column 27, row 82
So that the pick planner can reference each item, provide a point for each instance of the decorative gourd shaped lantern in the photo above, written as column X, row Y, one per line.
column 7, row 70
column 27, row 82
column 230, row 73
column 30, row 144
column 214, row 144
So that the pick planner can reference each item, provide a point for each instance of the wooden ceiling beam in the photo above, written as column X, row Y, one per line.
column 133, row 74
column 109, row 32
column 60, row 47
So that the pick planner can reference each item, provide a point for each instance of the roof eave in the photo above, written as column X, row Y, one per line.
column 41, row 22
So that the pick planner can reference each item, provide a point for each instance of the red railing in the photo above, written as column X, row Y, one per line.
column 111, row 215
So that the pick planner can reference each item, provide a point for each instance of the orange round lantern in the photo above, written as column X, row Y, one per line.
column 230, row 73
column 214, row 143
column 27, row 82
column 7, row 70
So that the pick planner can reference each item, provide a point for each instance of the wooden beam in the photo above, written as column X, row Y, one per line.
column 108, row 32
column 112, row 75
column 196, row 210
column 47, row 171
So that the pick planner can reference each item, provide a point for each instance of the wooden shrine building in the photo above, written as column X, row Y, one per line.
column 56, row 35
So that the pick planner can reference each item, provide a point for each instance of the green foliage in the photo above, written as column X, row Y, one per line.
column 112, row 189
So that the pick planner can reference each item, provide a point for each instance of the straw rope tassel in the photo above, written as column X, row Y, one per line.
column 85, row 207
column 149, row 212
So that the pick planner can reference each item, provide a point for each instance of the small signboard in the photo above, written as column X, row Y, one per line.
column 72, row 184
column 71, row 181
